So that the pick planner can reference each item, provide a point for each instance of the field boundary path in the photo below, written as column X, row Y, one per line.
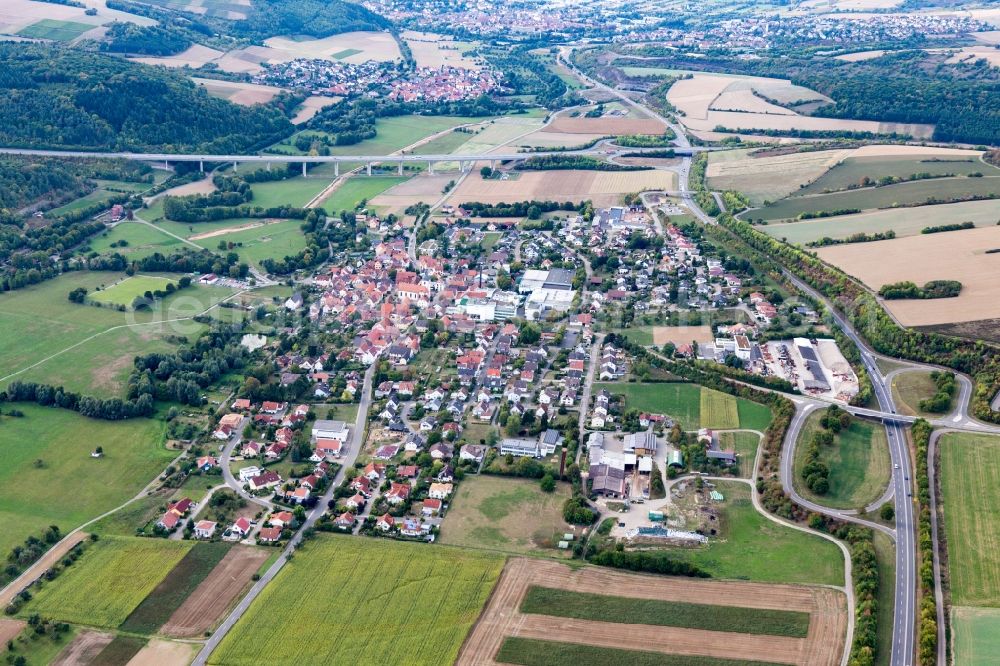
column 357, row 439
column 942, row 643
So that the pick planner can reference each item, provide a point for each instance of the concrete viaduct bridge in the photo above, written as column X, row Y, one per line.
column 465, row 162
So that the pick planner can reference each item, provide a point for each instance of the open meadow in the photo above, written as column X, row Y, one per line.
column 355, row 189
column 858, row 462
column 976, row 635
column 46, row 461
column 970, row 478
column 853, row 169
column 46, row 331
column 140, row 240
column 752, row 547
column 545, row 613
column 254, row 243
column 109, row 581
column 604, row 188
column 685, row 403
column 506, row 514
column 129, row 288
column 367, row 601
column 909, row 388
column 957, row 255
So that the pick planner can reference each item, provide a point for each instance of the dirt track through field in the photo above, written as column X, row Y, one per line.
column 229, row 230
column 212, row 597
column 10, row 628
column 41, row 566
column 502, row 617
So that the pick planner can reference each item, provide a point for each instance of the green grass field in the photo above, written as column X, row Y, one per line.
column 175, row 588
column 885, row 552
column 858, row 462
column 852, row 170
column 39, row 323
column 909, row 388
column 126, row 291
column 640, row 335
column 142, row 240
column 274, row 240
column 976, row 639
column 751, row 547
column 34, row 497
column 41, row 649
column 505, row 514
column 60, row 31
column 363, row 601
column 628, row 610
column 109, row 581
column 880, row 197
column 356, row 189
column 444, row 144
column 97, row 196
column 970, row 479
column 903, row 221
column 533, row 652
column 346, row 53
column 684, row 402
column 745, row 444
column 718, row 410
column 296, row 192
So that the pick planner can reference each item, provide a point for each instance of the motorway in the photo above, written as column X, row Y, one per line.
column 357, row 439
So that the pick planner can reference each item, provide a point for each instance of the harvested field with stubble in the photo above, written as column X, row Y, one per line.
column 956, row 255
column 681, row 335
column 84, row 648
column 606, row 125
column 239, row 92
column 604, row 188
column 207, row 603
column 164, row 653
column 503, row 616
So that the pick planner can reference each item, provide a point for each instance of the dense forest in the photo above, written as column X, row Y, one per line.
column 61, row 98
column 961, row 101
column 145, row 39
column 316, row 18
column 26, row 181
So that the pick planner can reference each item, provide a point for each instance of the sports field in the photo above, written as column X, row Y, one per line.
column 60, row 31
column 114, row 575
column 44, row 329
column 506, row 514
column 254, row 241
column 970, row 479
column 141, row 240
column 129, row 288
column 34, row 493
column 364, row 601
column 976, row 638
column 903, row 221
column 684, row 402
column 858, row 461
column 356, row 189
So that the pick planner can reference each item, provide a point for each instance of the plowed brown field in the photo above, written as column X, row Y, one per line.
column 502, row 617
column 212, row 597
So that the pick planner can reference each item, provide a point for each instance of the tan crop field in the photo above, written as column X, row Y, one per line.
column 972, row 54
column 745, row 100
column 421, row 188
column 502, row 617
column 546, row 139
column 204, row 608
column 195, row 56
column 956, row 255
column 159, row 652
column 15, row 15
column 379, row 46
column 604, row 188
column 681, row 335
column 861, row 56
column 431, row 50
column 607, row 125
column 238, row 92
column 312, row 106
column 697, row 98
